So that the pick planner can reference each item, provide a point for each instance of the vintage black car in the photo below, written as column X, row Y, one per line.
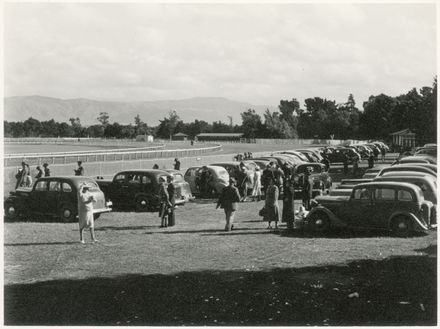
column 322, row 181
column 54, row 197
column 138, row 190
column 396, row 206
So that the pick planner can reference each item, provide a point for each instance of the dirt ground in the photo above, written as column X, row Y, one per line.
column 196, row 274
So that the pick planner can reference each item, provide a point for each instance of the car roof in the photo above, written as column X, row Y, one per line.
column 145, row 171
column 387, row 184
column 404, row 178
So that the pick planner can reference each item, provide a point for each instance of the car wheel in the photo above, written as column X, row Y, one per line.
column 141, row 203
column 319, row 221
column 401, row 226
column 10, row 211
column 67, row 214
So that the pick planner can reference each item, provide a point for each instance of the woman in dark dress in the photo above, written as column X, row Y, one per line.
column 288, row 204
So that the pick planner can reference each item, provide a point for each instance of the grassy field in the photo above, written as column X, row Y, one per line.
column 196, row 274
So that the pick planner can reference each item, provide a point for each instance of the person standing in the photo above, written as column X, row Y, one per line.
column 370, row 160
column 80, row 170
column 171, row 201
column 156, row 166
column 345, row 163
column 271, row 213
column 325, row 161
column 383, row 152
column 288, row 215
column 46, row 169
column 39, row 172
column 164, row 199
column 228, row 200
column 85, row 213
column 256, row 191
column 20, row 176
column 27, row 176
column 242, row 177
column 355, row 165
column 307, row 189
column 176, row 164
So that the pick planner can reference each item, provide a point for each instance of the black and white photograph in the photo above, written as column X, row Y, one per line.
column 218, row 163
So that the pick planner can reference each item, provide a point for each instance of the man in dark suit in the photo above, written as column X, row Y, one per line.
column 228, row 201
column 172, row 201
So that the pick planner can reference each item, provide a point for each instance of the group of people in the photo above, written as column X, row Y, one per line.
column 273, row 181
column 23, row 176
column 244, row 156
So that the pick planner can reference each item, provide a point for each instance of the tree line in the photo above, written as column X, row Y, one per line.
column 318, row 118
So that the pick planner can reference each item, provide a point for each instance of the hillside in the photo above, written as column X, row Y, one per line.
column 20, row 108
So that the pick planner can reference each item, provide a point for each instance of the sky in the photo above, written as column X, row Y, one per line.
column 252, row 52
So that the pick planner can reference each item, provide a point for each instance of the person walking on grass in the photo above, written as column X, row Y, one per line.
column 228, row 200
column 171, row 201
column 271, row 208
column 164, row 203
column 85, row 213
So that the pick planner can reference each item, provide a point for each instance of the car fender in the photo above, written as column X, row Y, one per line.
column 419, row 225
column 334, row 220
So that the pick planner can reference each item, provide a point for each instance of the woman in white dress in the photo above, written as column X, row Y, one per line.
column 85, row 213
column 256, row 192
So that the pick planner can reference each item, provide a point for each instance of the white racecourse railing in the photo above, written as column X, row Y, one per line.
column 114, row 155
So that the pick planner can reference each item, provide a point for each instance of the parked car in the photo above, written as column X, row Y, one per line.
column 139, row 189
column 338, row 154
column 432, row 151
column 408, row 167
column 322, row 181
column 315, row 156
column 55, row 196
column 427, row 184
column 232, row 167
column 298, row 156
column 373, row 172
column 262, row 163
column 219, row 178
column 399, row 207
column 412, row 159
column 181, row 185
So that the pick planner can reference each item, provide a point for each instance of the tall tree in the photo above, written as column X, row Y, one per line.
column 251, row 123
column 168, row 125
column 103, row 118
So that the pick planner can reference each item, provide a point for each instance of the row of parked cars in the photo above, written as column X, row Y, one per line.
column 57, row 196
column 401, row 197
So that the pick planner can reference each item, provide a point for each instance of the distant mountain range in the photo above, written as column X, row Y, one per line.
column 209, row 109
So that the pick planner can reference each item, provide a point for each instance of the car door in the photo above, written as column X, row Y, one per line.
column 38, row 198
column 119, row 189
column 190, row 178
column 384, row 203
column 53, row 197
column 359, row 208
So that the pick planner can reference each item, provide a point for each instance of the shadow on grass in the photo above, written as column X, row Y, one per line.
column 393, row 291
column 220, row 229
column 40, row 243
column 125, row 228
column 340, row 234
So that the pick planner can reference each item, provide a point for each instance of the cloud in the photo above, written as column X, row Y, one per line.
column 258, row 53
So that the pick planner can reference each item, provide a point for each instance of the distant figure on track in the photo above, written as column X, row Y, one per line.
column 46, row 170
column 80, row 170
column 39, row 172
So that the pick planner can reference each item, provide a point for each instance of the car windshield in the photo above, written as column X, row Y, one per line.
column 91, row 184
column 312, row 169
column 178, row 178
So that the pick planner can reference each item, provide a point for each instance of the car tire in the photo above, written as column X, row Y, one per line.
column 10, row 211
column 401, row 226
column 67, row 213
column 141, row 203
column 319, row 221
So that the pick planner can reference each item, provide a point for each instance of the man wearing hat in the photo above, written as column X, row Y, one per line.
column 85, row 213
column 80, row 170
column 228, row 200
column 39, row 172
column 46, row 169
